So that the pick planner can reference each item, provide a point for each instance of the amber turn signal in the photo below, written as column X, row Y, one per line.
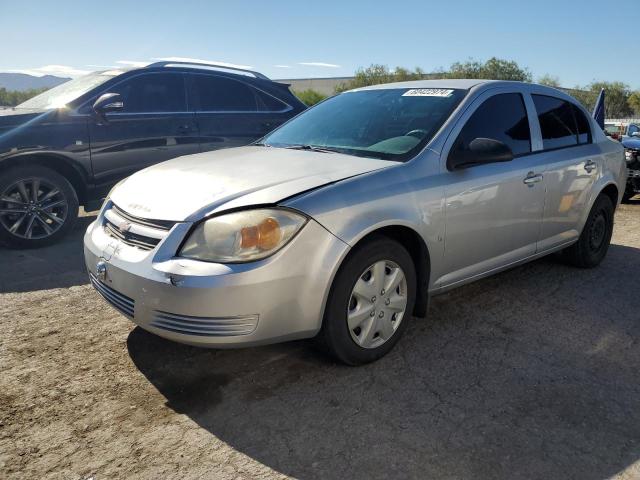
column 265, row 236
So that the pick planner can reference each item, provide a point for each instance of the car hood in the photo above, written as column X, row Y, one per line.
column 192, row 187
column 631, row 143
column 10, row 118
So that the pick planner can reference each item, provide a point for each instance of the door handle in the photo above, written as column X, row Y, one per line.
column 184, row 128
column 590, row 166
column 532, row 178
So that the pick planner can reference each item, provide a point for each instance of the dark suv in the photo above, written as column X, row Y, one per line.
column 69, row 145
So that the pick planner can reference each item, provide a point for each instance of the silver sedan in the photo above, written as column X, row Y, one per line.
column 341, row 223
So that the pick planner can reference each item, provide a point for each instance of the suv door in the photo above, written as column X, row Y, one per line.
column 154, row 125
column 571, row 167
column 493, row 212
column 232, row 113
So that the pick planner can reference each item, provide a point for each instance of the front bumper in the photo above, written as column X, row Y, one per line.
column 217, row 305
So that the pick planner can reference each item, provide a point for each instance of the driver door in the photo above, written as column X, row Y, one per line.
column 154, row 125
column 493, row 211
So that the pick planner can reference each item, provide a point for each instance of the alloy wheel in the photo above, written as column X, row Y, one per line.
column 377, row 304
column 33, row 208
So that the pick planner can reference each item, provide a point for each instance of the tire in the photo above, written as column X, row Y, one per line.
column 593, row 243
column 360, row 345
column 30, row 218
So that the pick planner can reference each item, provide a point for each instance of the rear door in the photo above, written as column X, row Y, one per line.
column 493, row 211
column 155, row 125
column 571, row 162
column 230, row 112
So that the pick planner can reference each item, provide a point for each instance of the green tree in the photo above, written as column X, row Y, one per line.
column 549, row 80
column 377, row 74
column 310, row 97
column 634, row 102
column 11, row 98
column 492, row 69
column 617, row 98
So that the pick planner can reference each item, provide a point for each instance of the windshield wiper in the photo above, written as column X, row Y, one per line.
column 312, row 148
column 261, row 145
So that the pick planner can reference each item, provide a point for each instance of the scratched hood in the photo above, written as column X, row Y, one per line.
column 191, row 187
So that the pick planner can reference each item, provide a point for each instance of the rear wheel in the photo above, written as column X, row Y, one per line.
column 37, row 207
column 370, row 303
column 593, row 243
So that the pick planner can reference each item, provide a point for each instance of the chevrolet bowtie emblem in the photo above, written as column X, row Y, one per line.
column 124, row 227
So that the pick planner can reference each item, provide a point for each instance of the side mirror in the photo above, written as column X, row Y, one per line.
column 108, row 102
column 480, row 151
column 635, row 134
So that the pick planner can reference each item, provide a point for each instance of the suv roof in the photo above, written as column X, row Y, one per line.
column 209, row 66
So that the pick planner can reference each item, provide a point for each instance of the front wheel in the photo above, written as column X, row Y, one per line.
column 37, row 206
column 370, row 303
column 593, row 243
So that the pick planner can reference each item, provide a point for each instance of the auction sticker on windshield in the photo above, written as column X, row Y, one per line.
column 428, row 92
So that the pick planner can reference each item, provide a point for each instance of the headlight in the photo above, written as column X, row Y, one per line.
column 242, row 236
column 629, row 155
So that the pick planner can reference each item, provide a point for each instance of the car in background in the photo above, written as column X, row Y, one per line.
column 632, row 156
column 69, row 145
column 621, row 130
column 342, row 222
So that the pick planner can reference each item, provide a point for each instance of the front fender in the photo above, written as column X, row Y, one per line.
column 408, row 195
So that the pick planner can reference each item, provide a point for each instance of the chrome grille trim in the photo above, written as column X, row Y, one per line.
column 133, row 231
column 129, row 238
column 120, row 302
column 159, row 224
column 204, row 326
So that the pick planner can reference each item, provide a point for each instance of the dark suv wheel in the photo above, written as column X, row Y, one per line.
column 37, row 206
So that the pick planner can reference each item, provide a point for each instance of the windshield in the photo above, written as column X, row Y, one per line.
column 390, row 124
column 59, row 96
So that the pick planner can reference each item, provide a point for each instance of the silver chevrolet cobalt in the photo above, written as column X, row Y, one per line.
column 341, row 223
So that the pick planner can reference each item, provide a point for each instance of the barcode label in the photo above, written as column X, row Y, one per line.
column 427, row 92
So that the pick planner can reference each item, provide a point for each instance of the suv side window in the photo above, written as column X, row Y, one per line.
column 502, row 117
column 557, row 122
column 153, row 92
column 213, row 93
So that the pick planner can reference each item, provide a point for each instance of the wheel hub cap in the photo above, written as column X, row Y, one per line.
column 377, row 304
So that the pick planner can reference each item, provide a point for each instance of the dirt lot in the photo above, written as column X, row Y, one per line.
column 534, row 373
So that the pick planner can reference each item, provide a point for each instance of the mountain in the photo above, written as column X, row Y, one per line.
column 22, row 81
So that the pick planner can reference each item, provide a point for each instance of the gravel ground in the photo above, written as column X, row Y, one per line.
column 533, row 373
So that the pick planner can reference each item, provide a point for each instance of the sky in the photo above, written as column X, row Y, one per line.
column 576, row 41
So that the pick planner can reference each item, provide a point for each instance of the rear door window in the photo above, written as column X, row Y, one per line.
column 212, row 93
column 557, row 122
column 152, row 93
column 502, row 117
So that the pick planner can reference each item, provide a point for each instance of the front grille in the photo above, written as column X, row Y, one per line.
column 141, row 233
column 159, row 224
column 120, row 302
column 129, row 238
column 204, row 326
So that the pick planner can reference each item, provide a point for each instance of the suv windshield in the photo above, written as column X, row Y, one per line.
column 59, row 96
column 390, row 124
